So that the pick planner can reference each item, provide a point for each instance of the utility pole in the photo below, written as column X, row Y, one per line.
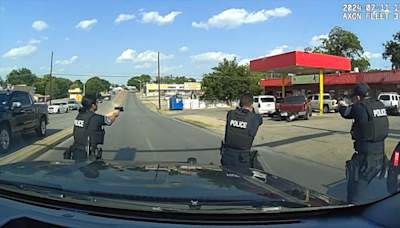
column 159, row 83
column 51, row 72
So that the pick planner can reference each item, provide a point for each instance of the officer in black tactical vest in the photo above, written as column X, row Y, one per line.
column 241, row 127
column 370, row 129
column 88, row 130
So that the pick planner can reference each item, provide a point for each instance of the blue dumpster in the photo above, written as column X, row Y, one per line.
column 176, row 103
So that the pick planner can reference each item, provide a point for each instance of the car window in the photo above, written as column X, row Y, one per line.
column 25, row 99
column 385, row 97
column 256, row 99
column 267, row 99
column 295, row 99
column 327, row 97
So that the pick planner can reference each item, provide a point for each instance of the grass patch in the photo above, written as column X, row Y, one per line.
column 196, row 122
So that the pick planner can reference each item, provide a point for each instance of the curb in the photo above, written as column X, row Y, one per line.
column 38, row 147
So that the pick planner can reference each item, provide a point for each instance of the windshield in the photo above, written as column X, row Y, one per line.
column 295, row 99
column 185, row 92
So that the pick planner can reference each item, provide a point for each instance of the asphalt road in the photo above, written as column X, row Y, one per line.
column 58, row 122
column 142, row 135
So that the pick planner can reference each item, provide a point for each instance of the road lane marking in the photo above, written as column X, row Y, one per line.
column 151, row 148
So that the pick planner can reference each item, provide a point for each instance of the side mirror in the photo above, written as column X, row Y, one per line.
column 16, row 104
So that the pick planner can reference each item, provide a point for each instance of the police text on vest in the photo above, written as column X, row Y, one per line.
column 239, row 124
column 79, row 123
column 380, row 112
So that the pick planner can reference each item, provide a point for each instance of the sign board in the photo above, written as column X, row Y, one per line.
column 305, row 79
column 192, row 86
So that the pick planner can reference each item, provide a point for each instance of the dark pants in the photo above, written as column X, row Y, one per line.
column 368, row 167
column 240, row 159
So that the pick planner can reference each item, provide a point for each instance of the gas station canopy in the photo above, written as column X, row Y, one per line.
column 299, row 62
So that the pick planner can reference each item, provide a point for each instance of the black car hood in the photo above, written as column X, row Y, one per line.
column 162, row 181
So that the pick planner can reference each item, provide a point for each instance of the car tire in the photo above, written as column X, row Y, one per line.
column 41, row 131
column 6, row 133
column 326, row 109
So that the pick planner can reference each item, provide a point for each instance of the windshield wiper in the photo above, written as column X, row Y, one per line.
column 257, row 203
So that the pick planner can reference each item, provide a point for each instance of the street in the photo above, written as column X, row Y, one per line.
column 142, row 135
column 58, row 122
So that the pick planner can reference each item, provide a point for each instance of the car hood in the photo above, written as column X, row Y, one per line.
column 162, row 181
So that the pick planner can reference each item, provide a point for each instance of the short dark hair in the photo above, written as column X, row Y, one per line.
column 246, row 100
column 87, row 102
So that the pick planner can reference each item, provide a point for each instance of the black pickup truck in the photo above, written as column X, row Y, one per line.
column 19, row 114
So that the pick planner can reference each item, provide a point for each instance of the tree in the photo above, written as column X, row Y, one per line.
column 135, row 81
column 77, row 84
column 392, row 50
column 229, row 81
column 341, row 42
column 21, row 76
column 96, row 85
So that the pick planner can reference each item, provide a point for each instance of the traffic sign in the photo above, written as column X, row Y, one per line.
column 305, row 79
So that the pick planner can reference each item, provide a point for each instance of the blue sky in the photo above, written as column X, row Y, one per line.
column 102, row 47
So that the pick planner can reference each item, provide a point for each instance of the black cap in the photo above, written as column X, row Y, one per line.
column 362, row 90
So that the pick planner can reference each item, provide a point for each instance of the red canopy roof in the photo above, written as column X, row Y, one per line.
column 388, row 76
column 299, row 62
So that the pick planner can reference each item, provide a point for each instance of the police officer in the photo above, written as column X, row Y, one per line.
column 88, row 130
column 370, row 129
column 241, row 127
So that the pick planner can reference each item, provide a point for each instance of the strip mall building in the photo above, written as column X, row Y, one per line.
column 312, row 68
column 338, row 84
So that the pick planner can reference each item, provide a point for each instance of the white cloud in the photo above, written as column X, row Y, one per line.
column 156, row 18
column 316, row 40
column 35, row 41
column 370, row 55
column 233, row 18
column 212, row 56
column 164, row 70
column 45, row 37
column 184, row 48
column 124, row 17
column 279, row 50
column 39, row 25
column 144, row 66
column 20, row 51
column 86, row 24
column 42, row 68
column 67, row 62
column 60, row 70
column 67, row 39
column 130, row 55
column 244, row 61
column 7, row 70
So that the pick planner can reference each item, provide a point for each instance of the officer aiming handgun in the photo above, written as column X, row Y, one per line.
column 88, row 130
column 369, row 130
column 241, row 127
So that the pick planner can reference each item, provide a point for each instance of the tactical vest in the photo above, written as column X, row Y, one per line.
column 238, row 125
column 377, row 127
column 81, row 132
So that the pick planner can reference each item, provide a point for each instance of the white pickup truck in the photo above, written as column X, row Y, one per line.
column 391, row 100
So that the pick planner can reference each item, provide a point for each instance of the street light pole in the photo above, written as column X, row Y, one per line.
column 159, row 83
column 51, row 72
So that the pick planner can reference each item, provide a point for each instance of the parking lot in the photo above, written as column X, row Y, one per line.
column 323, row 139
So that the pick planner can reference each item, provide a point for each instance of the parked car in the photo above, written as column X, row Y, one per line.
column 264, row 104
column 295, row 107
column 73, row 105
column 391, row 100
column 58, row 107
column 19, row 114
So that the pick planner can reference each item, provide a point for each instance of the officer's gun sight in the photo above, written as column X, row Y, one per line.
column 121, row 109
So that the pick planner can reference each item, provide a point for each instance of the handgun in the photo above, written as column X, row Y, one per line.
column 121, row 109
